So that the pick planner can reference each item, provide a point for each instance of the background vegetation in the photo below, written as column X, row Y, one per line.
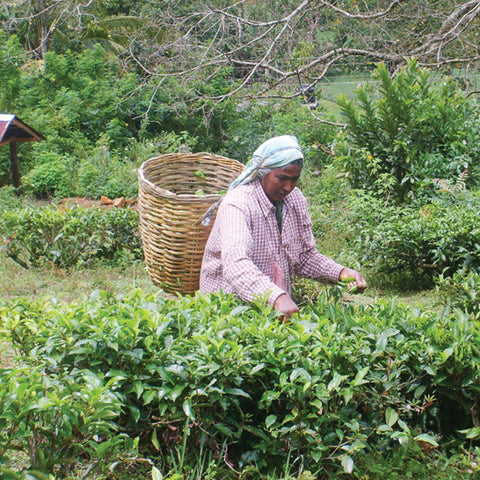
column 104, row 376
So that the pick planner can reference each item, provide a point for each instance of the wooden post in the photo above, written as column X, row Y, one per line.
column 14, row 160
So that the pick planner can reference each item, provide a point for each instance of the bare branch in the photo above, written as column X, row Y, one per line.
column 270, row 45
column 363, row 16
column 264, row 49
column 451, row 28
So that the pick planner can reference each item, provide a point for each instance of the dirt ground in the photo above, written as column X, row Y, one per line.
column 102, row 202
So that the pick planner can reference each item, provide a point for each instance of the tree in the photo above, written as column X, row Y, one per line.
column 72, row 23
column 292, row 42
column 263, row 42
column 408, row 134
column 259, row 48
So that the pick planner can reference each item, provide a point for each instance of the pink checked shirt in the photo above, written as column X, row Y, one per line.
column 246, row 255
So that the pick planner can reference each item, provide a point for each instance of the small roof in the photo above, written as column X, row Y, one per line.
column 12, row 129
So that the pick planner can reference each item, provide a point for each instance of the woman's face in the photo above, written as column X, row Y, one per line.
column 281, row 181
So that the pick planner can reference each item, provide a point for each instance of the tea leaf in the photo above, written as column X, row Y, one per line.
column 347, row 464
column 391, row 416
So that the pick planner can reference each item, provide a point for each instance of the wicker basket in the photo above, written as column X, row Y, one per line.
column 175, row 190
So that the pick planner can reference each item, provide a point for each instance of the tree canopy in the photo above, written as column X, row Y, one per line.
column 260, row 41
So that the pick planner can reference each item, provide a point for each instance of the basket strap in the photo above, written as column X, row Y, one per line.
column 208, row 215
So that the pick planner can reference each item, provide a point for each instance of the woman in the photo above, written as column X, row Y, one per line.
column 263, row 235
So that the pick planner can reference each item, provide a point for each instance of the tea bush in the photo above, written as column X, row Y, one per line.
column 53, row 176
column 9, row 200
column 410, row 246
column 461, row 291
column 336, row 382
column 104, row 174
column 59, row 419
column 33, row 237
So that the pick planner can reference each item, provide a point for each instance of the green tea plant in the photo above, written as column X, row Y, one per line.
column 105, row 174
column 57, row 420
column 64, row 238
column 336, row 382
column 410, row 131
column 9, row 200
column 461, row 291
column 54, row 176
column 410, row 246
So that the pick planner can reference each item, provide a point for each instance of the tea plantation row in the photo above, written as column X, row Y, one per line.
column 207, row 384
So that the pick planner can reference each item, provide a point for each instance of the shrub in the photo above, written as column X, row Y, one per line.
column 209, row 371
column 54, row 176
column 58, row 420
column 408, row 247
column 11, row 58
column 5, row 167
column 171, row 142
column 115, row 175
column 415, row 130
column 9, row 200
column 253, row 123
column 461, row 291
column 65, row 238
column 105, row 174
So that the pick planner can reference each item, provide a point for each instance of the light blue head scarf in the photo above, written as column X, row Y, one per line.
column 277, row 152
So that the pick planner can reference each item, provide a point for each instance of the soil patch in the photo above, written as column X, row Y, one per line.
column 102, row 202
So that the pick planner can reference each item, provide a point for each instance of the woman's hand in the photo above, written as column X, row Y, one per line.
column 286, row 306
column 354, row 279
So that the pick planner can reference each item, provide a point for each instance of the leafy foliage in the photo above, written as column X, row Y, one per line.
column 11, row 58
column 76, row 99
column 105, row 174
column 411, row 246
column 210, row 371
column 461, row 291
column 413, row 132
column 64, row 238
column 9, row 200
column 206, row 380
column 84, row 101
column 56, row 419
column 53, row 176
column 254, row 123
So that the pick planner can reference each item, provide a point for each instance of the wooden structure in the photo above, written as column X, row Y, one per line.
column 12, row 131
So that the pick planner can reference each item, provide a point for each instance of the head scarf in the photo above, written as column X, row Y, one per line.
column 277, row 152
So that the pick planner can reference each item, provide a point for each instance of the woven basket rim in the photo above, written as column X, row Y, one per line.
column 186, row 196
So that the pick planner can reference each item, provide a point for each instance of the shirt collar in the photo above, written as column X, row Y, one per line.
column 265, row 204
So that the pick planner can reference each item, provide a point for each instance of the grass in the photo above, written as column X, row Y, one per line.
column 70, row 285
